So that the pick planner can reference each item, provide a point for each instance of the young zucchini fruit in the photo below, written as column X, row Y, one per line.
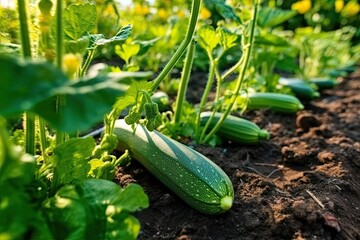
column 300, row 88
column 277, row 102
column 236, row 129
column 192, row 176
column 324, row 83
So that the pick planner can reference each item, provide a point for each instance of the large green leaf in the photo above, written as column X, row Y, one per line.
column 86, row 103
column 79, row 19
column 25, row 83
column 87, row 210
column 72, row 156
column 33, row 86
column 271, row 17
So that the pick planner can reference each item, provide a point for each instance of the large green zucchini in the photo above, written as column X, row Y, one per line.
column 189, row 174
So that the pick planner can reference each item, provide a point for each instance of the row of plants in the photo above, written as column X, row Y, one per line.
column 76, row 64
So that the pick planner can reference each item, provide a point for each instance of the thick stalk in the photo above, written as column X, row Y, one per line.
column 42, row 136
column 246, row 55
column 195, row 9
column 26, row 51
column 184, row 81
column 61, row 101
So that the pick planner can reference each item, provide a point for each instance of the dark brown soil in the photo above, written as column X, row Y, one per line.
column 303, row 183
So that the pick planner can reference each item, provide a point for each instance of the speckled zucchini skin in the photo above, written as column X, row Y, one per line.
column 189, row 174
column 277, row 102
column 236, row 129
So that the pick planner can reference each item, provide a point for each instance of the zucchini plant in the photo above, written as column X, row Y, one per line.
column 66, row 186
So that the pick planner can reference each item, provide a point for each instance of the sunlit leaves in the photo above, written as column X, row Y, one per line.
column 126, row 51
column 271, row 17
column 207, row 38
column 33, row 86
column 79, row 20
column 227, row 38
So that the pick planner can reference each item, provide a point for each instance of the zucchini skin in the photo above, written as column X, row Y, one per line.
column 324, row 83
column 236, row 129
column 190, row 175
column 277, row 102
column 300, row 88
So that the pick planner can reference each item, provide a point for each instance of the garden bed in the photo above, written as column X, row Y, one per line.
column 303, row 183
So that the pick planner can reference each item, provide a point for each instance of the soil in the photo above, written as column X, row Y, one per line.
column 303, row 183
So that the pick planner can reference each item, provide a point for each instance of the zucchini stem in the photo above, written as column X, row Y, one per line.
column 247, row 47
column 195, row 9
column 184, row 81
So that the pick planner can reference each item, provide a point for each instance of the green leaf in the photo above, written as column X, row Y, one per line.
column 132, row 94
column 226, row 11
column 87, row 210
column 77, row 46
column 267, row 38
column 126, row 201
column 86, row 103
column 122, row 35
column 126, row 51
column 79, row 20
column 208, row 39
column 72, row 157
column 271, row 17
column 25, row 83
column 227, row 38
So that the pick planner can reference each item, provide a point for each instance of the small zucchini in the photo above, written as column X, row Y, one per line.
column 162, row 100
column 236, row 129
column 189, row 174
column 324, row 83
column 278, row 102
column 300, row 88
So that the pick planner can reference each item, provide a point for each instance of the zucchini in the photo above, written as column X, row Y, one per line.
column 278, row 102
column 324, row 83
column 189, row 174
column 300, row 88
column 236, row 129
column 162, row 100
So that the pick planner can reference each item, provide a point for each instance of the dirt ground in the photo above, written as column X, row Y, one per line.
column 303, row 183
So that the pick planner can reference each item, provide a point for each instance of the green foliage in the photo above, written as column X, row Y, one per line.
column 271, row 17
column 95, row 209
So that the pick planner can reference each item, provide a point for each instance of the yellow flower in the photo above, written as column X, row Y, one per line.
column 339, row 5
column 72, row 63
column 205, row 13
column 162, row 14
column 302, row 6
column 180, row 13
column 352, row 8
column 141, row 10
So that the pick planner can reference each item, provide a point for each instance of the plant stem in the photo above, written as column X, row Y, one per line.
column 88, row 60
column 184, row 80
column 26, row 51
column 42, row 136
column 195, row 9
column 246, row 55
column 61, row 101
column 205, row 95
